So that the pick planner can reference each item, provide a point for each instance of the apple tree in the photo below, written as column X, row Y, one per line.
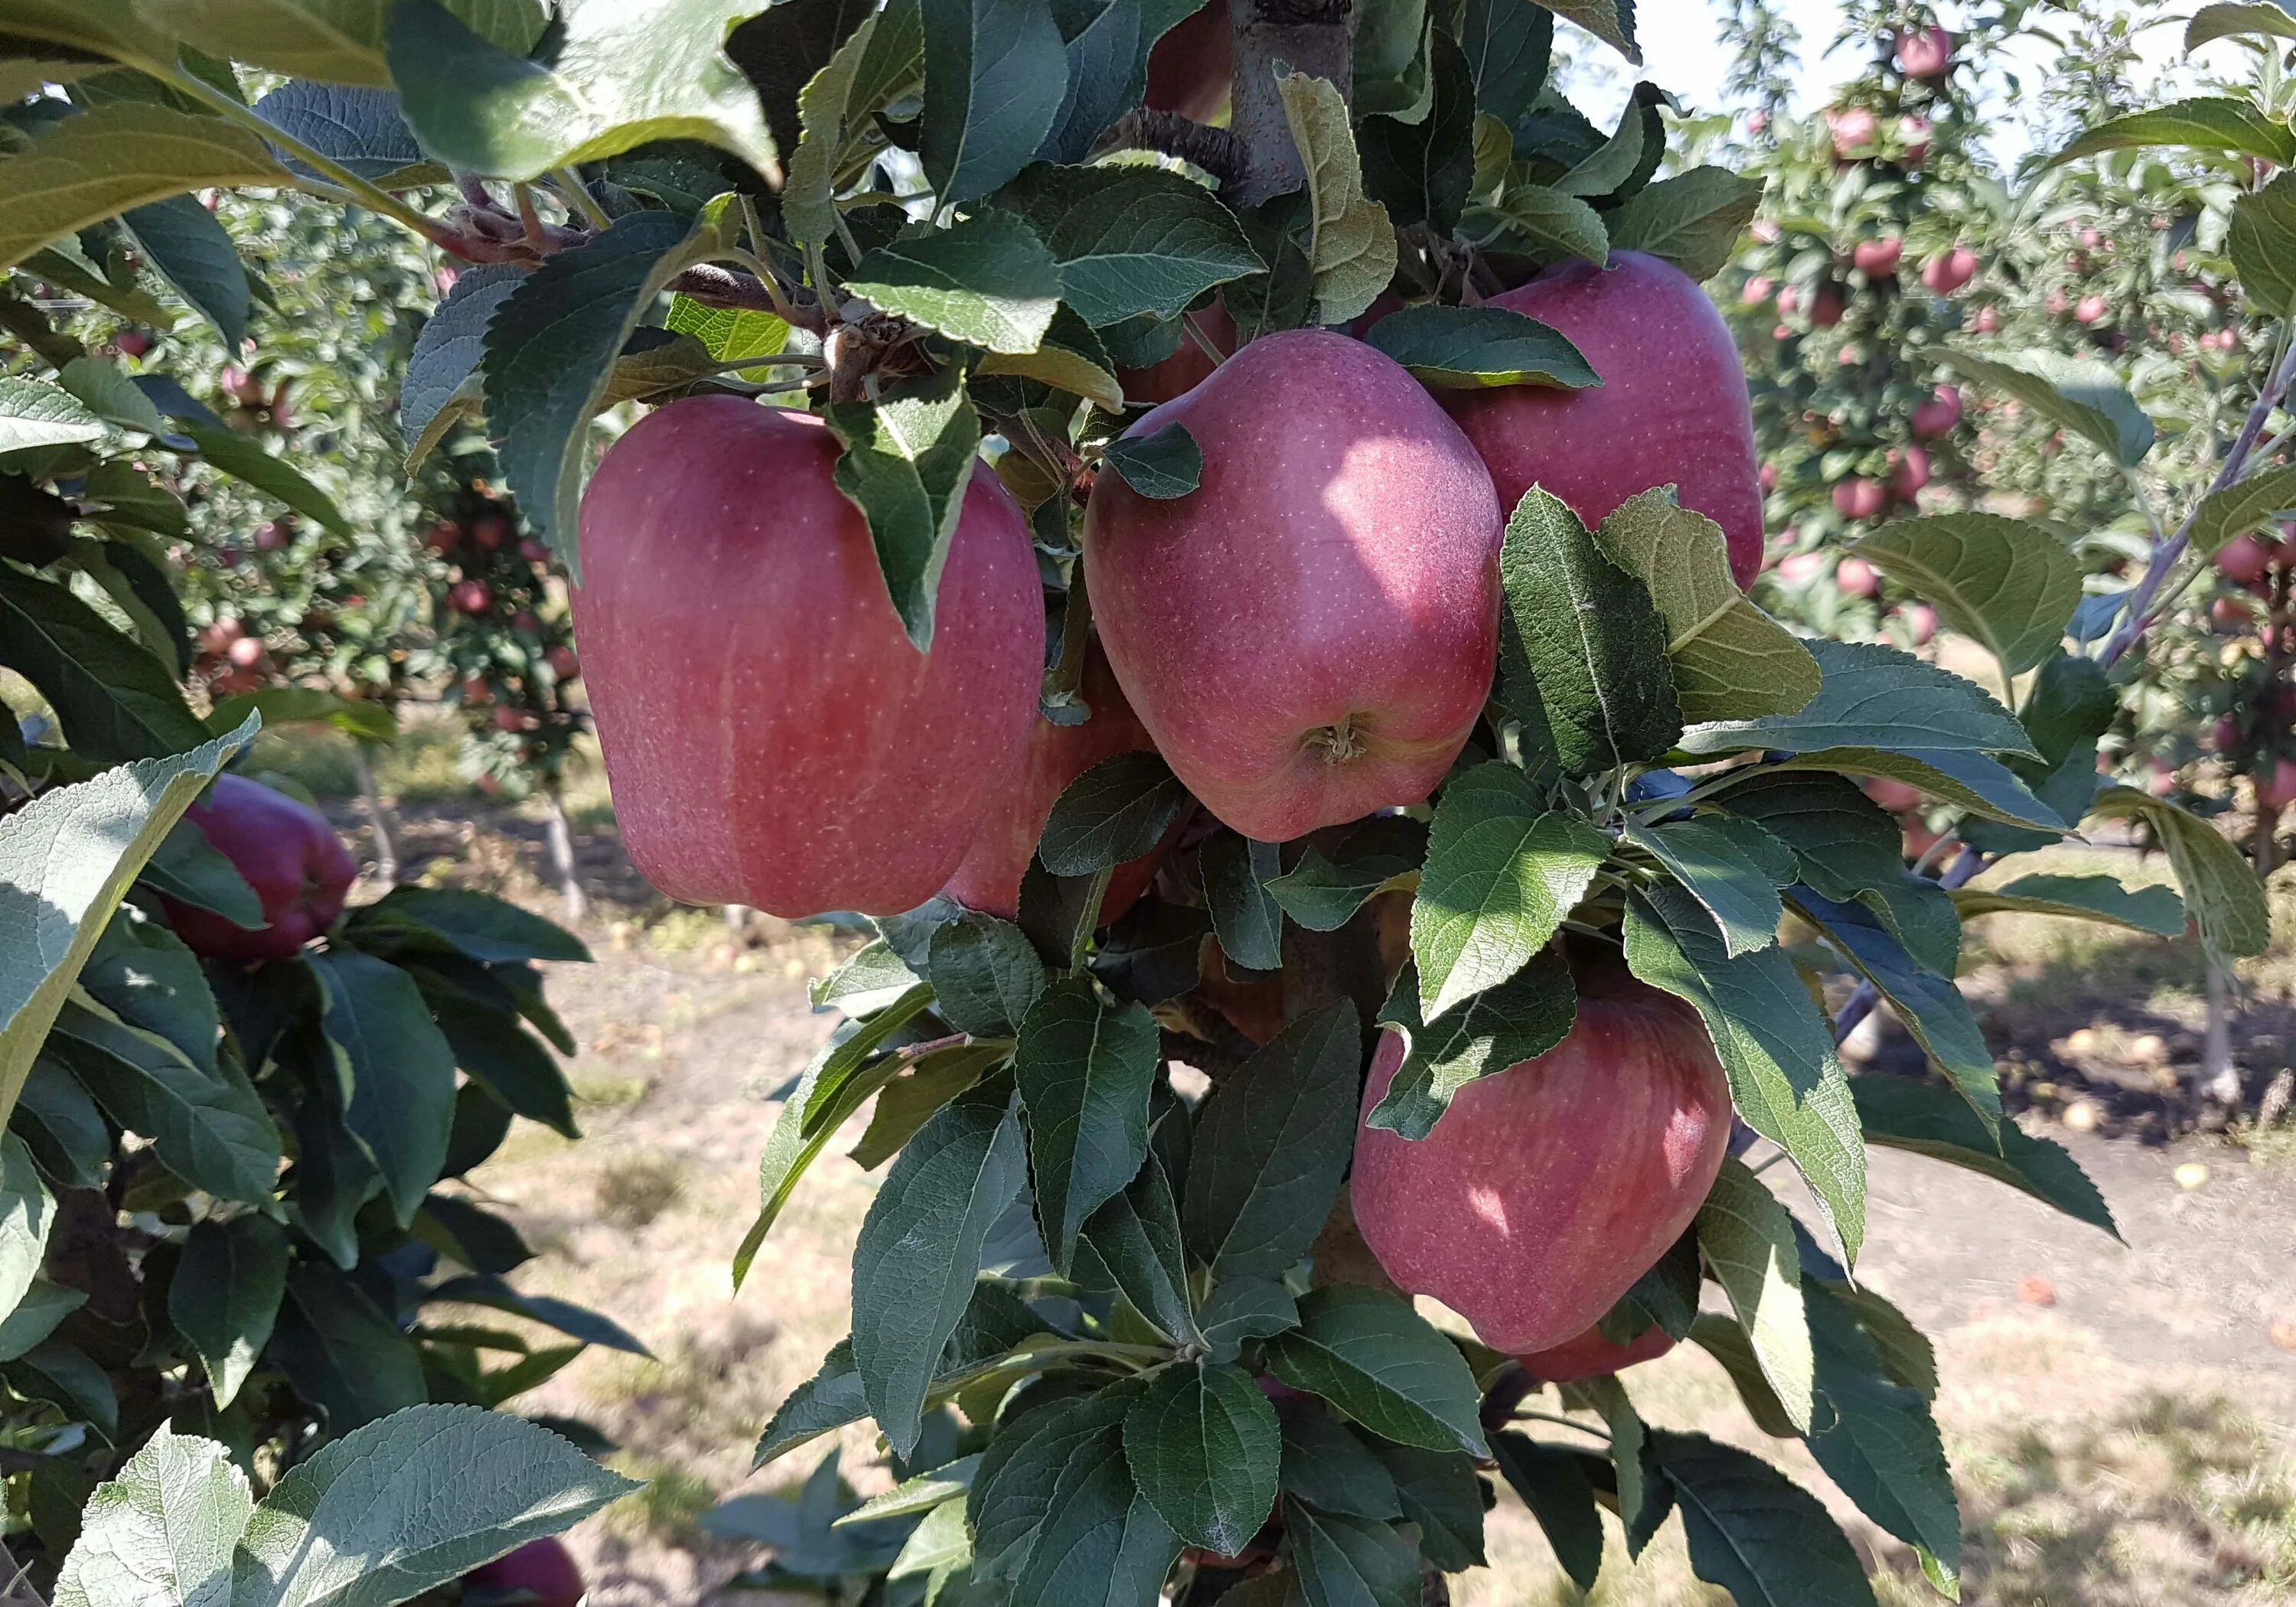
column 1234, row 785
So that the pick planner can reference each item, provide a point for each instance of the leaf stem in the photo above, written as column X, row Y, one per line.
column 577, row 194
column 1533, row 1414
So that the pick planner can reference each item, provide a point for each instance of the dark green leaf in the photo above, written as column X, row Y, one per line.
column 1421, row 170
column 1369, row 1353
column 59, row 1373
column 1202, row 1445
column 1876, row 696
column 2225, row 20
column 1721, row 1337
column 357, row 128
column 985, row 975
column 1351, row 1562
column 1965, row 780
column 2263, row 227
column 1084, row 1069
column 1136, row 1236
column 189, row 869
column 995, row 77
column 829, row 1399
column 1693, row 220
column 396, row 1070
column 340, row 1353
column 2101, row 898
column 1467, row 346
column 44, row 1305
column 1163, row 464
column 470, row 1236
column 142, row 972
column 1130, row 239
column 184, row 241
column 987, row 280
column 1612, row 21
column 209, row 1128
column 1271, row 1144
column 1114, row 812
column 1935, row 1122
column 1245, row 916
column 1554, row 1485
column 1594, row 641
column 501, row 1056
column 442, row 373
column 1733, row 867
column 62, row 1126
column 1508, row 46
column 1335, row 1469
column 1876, row 1439
column 1245, row 1308
column 224, row 1296
column 1754, row 1532
column 1319, row 893
column 576, row 1321
column 1108, row 68
column 243, row 459
column 1499, row 1028
column 115, row 699
column 1440, row 1494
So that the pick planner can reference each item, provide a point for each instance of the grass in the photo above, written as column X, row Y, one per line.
column 633, row 1190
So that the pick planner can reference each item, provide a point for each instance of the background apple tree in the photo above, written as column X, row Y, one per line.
column 1125, row 1338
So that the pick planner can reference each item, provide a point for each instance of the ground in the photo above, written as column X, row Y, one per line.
column 2119, row 1418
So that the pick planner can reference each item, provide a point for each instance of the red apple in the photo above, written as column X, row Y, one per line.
column 1767, row 476
column 1920, row 836
column 1939, row 414
column 1909, row 474
column 2226, row 736
column 770, row 736
column 2091, row 309
column 1858, row 498
column 562, row 663
column 508, row 718
column 1591, row 1356
column 443, row 537
column 1921, row 622
column 1948, row 271
column 1191, row 68
column 273, row 535
column 2090, row 238
column 1795, row 568
column 1913, row 136
column 1757, row 290
column 1898, row 797
column 2232, row 613
column 217, row 636
column 1309, row 635
column 1855, row 577
column 2276, row 790
column 1827, row 307
column 476, row 691
column 1988, row 321
column 1925, row 52
column 1853, row 128
column 524, row 622
column 470, row 596
column 1672, row 408
column 290, row 856
column 1547, row 1190
column 1878, row 258
column 533, row 550
column 989, row 879
column 245, row 652
column 1187, row 367
column 1788, row 299
column 1757, row 121
column 490, row 531
column 2245, row 559
column 540, row 1573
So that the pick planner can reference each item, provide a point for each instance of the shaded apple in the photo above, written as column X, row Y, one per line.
column 1309, row 636
column 770, row 736
column 1672, row 408
column 1859, row 498
column 1939, row 414
column 508, row 718
column 470, row 596
column 1921, row 622
column 443, row 537
column 540, row 1573
column 1591, row 1356
column 1988, row 321
column 1852, row 129
column 300, row 869
column 1924, row 53
column 1948, row 271
column 1827, row 307
column 989, row 878
column 2245, row 559
column 1191, row 67
column 245, row 652
column 1878, row 258
column 1909, row 471
column 1855, row 577
column 562, row 663
column 1547, row 1190
column 2277, row 789
column 1188, row 366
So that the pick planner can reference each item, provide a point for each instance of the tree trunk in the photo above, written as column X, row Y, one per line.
column 1314, row 36
column 561, row 860
column 2219, row 1074
column 378, row 817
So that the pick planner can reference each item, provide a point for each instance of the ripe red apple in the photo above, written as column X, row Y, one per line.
column 290, row 856
column 1898, row 797
column 1859, row 498
column 1878, row 258
column 1988, row 321
column 1757, row 121
column 1939, row 414
column 1948, row 271
column 2276, row 790
column 1757, row 290
column 245, row 652
column 1767, row 476
column 1788, row 299
column 989, row 879
column 1853, row 128
column 1855, row 577
column 2226, row 736
column 1187, row 367
column 1925, row 52
column 2232, row 613
column 524, row 622
column 1914, row 136
column 1795, row 568
column 476, row 691
column 217, row 636
column 273, row 535
column 1545, row 1191
column 1191, row 69
column 2245, row 559
column 1827, row 307
column 540, row 1573
column 770, row 736
column 508, row 718
column 132, row 343
column 562, row 663
column 1309, row 634
column 1591, row 1356
column 490, row 531
column 2091, row 309
column 1672, row 408
column 443, row 537
column 1909, row 474
column 470, row 596
column 1921, row 622
column 2090, row 238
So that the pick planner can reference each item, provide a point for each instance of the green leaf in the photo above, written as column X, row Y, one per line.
column 1617, row 165
column 1113, row 813
column 1344, row 1562
column 729, row 334
column 1333, row 1467
column 1930, row 1005
column 1130, row 239
column 1441, row 1493
column 406, row 1504
column 478, row 925
column 2213, row 123
column 396, row 1068
column 1071, row 357
column 1136, row 1236
column 1785, row 1079
column 63, row 1128
column 1553, row 1485
column 1876, row 1439
column 1754, row 1532
column 907, row 461
column 1747, row 1237
column 909, row 1100
column 2101, row 898
column 1108, row 66
column 2008, row 586
column 1458, row 347
column 115, row 699
column 881, row 60
column 84, row 169
column 1203, row 1445
column 1421, row 169
column 2220, row 887
column 44, row 1305
column 2244, row 505
column 1501, row 875
column 551, row 343
column 189, row 247
column 2225, row 20
column 1508, row 48
column 1935, row 1122
column 1245, row 917
column 1271, row 1145
column 341, row 1352
column 1904, row 1354
column 984, row 974
column 1594, row 641
column 34, row 413
column 1162, row 464
column 340, row 40
column 1241, row 1310
column 506, row 1060
column 616, row 79
column 996, row 72
column 1612, row 21
column 1083, row 1068
column 1100, row 1544
column 104, row 389
column 2081, row 394
column 27, row 1213
column 923, row 1492
column 1693, row 220
column 358, row 129
column 1369, row 1354
column 1552, row 224
column 1967, row 781
column 1501, row 1026
column 442, row 373
column 1876, row 696
column 829, row 1399
column 209, row 1128
column 162, row 1533
column 1379, row 854
column 919, row 1249
column 987, row 280
column 1733, row 867
column 1350, row 242
column 2263, row 229
column 274, row 476
column 224, row 1296
column 1722, row 1337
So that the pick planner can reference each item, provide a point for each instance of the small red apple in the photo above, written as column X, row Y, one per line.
column 1788, row 299
column 2276, row 790
column 273, row 535
column 2091, row 309
column 470, row 596
column 475, row 690
column 246, row 651
column 228, row 557
column 1988, row 321
column 2245, row 559
column 1939, row 414
column 2227, row 734
column 1767, row 478
column 2232, row 613
column 1948, row 271
column 1925, row 52
column 1796, row 568
column 1859, row 498
column 217, row 636
column 1909, row 474
column 1853, row 128
column 540, row 1573
column 508, row 718
column 1591, row 1356
column 490, row 531
column 1757, row 121
column 1913, row 136
column 1921, row 622
column 562, row 663
column 1878, row 258
column 1757, row 290
column 443, row 537
column 132, row 343
column 533, row 550
column 524, row 622
column 1547, row 1190
column 1333, row 663
column 771, row 736
column 1855, row 577
column 1827, row 307
column 1920, row 836
column 2090, row 238
column 1672, row 408
column 290, row 856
